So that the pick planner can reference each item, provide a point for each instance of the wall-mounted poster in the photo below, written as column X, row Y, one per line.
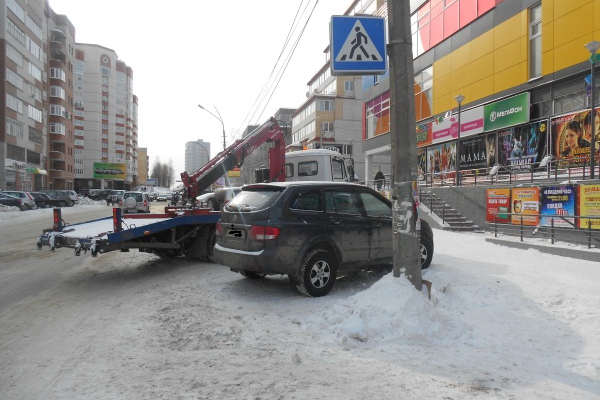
column 558, row 201
column 497, row 205
column 521, row 146
column 422, row 163
column 525, row 201
column 478, row 152
column 588, row 205
column 441, row 158
column 572, row 135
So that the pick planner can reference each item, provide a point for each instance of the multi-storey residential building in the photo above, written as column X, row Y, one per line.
column 196, row 155
column 331, row 117
column 520, row 70
column 105, row 116
column 24, row 141
column 46, row 142
column 143, row 166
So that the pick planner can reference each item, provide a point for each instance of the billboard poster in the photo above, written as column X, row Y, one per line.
column 424, row 134
column 558, row 201
column 572, row 135
column 508, row 112
column 524, row 202
column 422, row 163
column 478, row 152
column 497, row 205
column 521, row 146
column 588, row 205
column 151, row 182
column 441, row 159
column 109, row 170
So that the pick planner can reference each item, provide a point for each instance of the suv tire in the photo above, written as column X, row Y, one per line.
column 317, row 273
column 426, row 252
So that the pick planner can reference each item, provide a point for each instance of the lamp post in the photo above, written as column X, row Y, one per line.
column 459, row 99
column 592, row 47
column 220, row 119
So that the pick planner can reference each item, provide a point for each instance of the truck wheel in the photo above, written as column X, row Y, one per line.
column 426, row 252
column 317, row 273
column 210, row 245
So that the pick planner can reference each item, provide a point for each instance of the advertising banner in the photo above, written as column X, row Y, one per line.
column 441, row 158
column 521, row 146
column 588, row 205
column 558, row 201
column 572, row 135
column 497, row 205
column 109, row 170
column 424, row 134
column 507, row 112
column 152, row 182
column 422, row 163
column 478, row 152
column 525, row 201
column 445, row 129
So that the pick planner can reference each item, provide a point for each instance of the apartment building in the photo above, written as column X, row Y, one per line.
column 67, row 105
column 197, row 153
column 105, row 120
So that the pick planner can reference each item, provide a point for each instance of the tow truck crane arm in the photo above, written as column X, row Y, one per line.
column 234, row 155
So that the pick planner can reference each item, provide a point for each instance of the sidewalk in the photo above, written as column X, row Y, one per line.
column 545, row 246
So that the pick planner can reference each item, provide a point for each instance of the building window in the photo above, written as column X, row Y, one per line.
column 14, row 55
column 34, row 113
column 35, row 71
column 35, row 92
column 14, row 79
column 35, row 136
column 57, row 91
column 15, row 153
column 56, row 109
column 56, row 127
column 33, row 157
column 325, row 105
column 349, row 86
column 14, row 127
column 105, row 145
column 105, row 71
column 423, row 93
column 378, row 115
column 15, row 31
column 14, row 103
column 327, row 127
column 535, row 41
column 57, row 73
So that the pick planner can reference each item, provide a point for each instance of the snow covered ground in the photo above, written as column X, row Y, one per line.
column 501, row 323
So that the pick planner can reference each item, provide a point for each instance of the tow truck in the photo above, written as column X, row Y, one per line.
column 189, row 230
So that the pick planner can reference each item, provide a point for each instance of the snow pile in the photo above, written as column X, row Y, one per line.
column 4, row 208
column 86, row 201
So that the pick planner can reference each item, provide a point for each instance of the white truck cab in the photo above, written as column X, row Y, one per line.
column 316, row 165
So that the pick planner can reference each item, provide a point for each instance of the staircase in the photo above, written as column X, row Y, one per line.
column 448, row 215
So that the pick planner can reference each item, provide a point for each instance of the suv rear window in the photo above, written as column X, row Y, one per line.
column 253, row 200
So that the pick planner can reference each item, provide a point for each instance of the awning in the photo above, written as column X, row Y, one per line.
column 42, row 172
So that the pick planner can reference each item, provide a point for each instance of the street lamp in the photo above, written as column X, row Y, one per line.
column 459, row 99
column 220, row 119
column 593, row 47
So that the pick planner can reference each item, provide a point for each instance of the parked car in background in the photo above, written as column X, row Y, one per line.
column 26, row 198
column 62, row 195
column 309, row 231
column 99, row 194
column 115, row 196
column 161, row 197
column 73, row 195
column 221, row 196
column 42, row 200
column 10, row 201
column 203, row 199
column 135, row 202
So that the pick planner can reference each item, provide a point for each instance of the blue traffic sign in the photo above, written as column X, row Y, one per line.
column 358, row 45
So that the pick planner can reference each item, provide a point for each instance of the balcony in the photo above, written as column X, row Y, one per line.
column 56, row 155
column 57, row 174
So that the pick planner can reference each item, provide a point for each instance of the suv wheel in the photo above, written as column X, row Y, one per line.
column 62, row 203
column 317, row 273
column 426, row 252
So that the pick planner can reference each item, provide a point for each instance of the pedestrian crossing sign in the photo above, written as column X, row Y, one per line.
column 357, row 45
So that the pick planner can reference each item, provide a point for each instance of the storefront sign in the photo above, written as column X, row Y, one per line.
column 497, row 205
column 424, row 134
column 588, row 205
column 508, row 112
column 521, row 146
column 558, row 201
column 525, row 201
column 445, row 129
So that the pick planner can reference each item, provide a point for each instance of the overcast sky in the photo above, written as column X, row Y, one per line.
column 189, row 52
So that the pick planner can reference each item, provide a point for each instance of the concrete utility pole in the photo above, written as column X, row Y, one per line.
column 404, row 144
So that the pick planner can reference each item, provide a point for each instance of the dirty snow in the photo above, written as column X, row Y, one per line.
column 499, row 323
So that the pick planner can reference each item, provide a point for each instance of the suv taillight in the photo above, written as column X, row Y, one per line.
column 263, row 233
column 145, row 203
column 120, row 201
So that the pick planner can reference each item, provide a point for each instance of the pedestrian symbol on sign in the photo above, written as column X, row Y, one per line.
column 358, row 46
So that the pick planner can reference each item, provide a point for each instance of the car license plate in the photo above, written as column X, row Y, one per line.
column 236, row 233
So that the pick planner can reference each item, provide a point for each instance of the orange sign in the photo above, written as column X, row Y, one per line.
column 525, row 201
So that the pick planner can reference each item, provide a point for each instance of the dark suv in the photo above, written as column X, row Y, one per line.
column 308, row 230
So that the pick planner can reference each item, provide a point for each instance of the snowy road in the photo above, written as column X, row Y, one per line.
column 510, row 324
